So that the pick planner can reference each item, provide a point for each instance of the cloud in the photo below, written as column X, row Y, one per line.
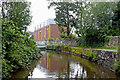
column 40, row 13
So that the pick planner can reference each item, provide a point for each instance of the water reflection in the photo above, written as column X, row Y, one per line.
column 59, row 65
column 63, row 65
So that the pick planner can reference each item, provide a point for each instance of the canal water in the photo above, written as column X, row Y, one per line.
column 63, row 65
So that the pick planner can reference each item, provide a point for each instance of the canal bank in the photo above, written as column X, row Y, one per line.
column 105, row 57
column 54, row 64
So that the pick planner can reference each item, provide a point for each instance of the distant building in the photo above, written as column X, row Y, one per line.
column 47, row 32
column 51, row 30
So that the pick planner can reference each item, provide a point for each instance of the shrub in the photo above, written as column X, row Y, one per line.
column 18, row 49
column 92, row 55
column 93, row 38
column 117, row 66
column 86, row 52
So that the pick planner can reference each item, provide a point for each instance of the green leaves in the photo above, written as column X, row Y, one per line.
column 18, row 49
column 64, row 16
column 18, row 12
column 117, row 65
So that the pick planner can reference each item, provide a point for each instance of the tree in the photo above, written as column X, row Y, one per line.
column 64, row 15
column 18, row 50
column 82, row 17
column 92, row 21
column 115, row 28
column 18, row 12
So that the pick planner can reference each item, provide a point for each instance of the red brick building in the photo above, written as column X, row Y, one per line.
column 47, row 32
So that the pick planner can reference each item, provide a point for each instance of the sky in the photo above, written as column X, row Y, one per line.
column 40, row 13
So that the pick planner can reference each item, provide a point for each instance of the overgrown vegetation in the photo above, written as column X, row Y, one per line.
column 117, row 66
column 0, row 35
column 88, row 52
column 18, row 49
column 93, row 55
column 18, row 12
column 80, row 51
column 92, row 22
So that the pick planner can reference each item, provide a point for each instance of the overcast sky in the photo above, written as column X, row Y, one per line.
column 40, row 13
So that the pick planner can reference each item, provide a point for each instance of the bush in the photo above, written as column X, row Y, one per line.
column 18, row 49
column 93, row 38
column 93, row 55
column 117, row 66
column 86, row 52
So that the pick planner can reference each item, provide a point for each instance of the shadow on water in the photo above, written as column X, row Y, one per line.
column 63, row 65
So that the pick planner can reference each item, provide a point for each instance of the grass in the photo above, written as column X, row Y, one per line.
column 104, row 47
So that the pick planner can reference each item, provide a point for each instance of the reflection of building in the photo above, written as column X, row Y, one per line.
column 52, row 64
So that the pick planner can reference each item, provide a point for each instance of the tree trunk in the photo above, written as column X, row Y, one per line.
column 68, row 32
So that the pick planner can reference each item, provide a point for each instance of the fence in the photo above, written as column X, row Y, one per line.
column 68, row 42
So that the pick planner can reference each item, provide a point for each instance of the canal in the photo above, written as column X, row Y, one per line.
column 63, row 65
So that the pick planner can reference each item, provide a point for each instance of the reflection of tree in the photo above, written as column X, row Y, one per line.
column 68, row 70
column 59, row 75
column 66, row 67
column 82, row 72
column 24, row 73
column 76, row 76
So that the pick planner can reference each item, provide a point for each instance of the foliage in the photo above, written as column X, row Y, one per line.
column 71, row 36
column 92, row 21
column 92, row 39
column 0, row 35
column 52, row 39
column 18, row 12
column 48, row 32
column 117, row 65
column 93, row 55
column 115, row 29
column 63, row 35
column 18, row 49
column 77, row 50
column 95, row 38
column 64, row 16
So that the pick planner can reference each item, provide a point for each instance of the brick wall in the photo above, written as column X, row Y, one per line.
column 53, row 32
